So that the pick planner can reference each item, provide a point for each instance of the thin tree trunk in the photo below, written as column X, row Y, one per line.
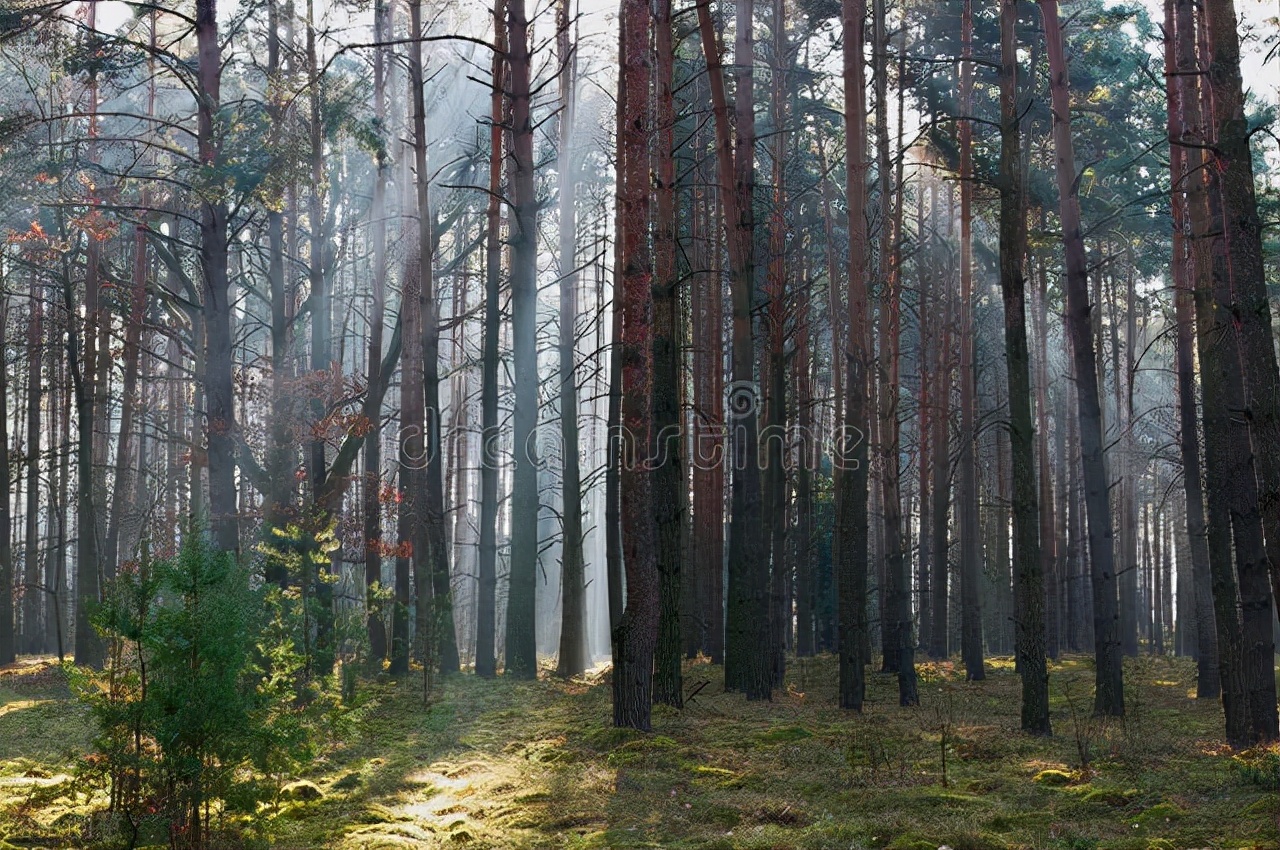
column 708, row 400
column 373, row 544
column 941, row 490
column 34, row 590
column 1050, row 516
column 930, row 326
column 967, row 492
column 573, row 641
column 487, row 575
column 8, row 642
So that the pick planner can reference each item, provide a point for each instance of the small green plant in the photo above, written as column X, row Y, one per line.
column 196, row 708
column 1259, row 765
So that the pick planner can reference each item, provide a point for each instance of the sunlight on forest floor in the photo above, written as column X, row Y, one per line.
column 536, row 764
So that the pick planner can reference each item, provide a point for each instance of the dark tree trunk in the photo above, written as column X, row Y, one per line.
column 635, row 635
column 1028, row 569
column 1232, row 160
column 522, row 660
column 708, row 418
column 852, row 454
column 1109, row 688
column 941, row 489
column 747, row 665
column 439, row 642
column 930, row 327
column 967, row 492
column 8, row 643
column 668, row 470
column 34, row 590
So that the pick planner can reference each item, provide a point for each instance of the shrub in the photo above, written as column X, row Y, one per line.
column 195, row 708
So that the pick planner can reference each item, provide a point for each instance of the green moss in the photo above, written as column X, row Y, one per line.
column 1054, row 778
column 783, row 735
column 1160, row 814
column 911, row 842
column 1114, row 797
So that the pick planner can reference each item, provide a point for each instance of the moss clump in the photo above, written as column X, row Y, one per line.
column 654, row 750
column 908, row 841
column 1054, row 778
column 602, row 739
column 1160, row 814
column 783, row 735
column 1110, row 797
column 301, row 791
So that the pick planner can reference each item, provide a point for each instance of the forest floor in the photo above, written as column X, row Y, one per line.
column 506, row 764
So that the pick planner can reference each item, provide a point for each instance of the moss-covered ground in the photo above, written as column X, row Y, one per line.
column 506, row 764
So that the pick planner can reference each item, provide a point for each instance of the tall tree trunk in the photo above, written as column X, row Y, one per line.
column 1232, row 159
column 941, row 489
column 668, row 470
column 930, row 326
column 851, row 521
column 635, row 635
column 1109, row 687
column 967, row 492
column 281, row 457
column 1179, row 32
column 8, row 642
column 573, row 591
column 897, row 561
column 774, row 357
column 89, row 648
column 522, row 660
column 34, row 590
column 1050, row 556
column 1028, row 570
column 444, row 635
column 218, row 385
column 373, row 545
column 412, row 570
column 125, row 469
column 805, row 575
column 1157, row 587
column 708, row 402
column 318, row 272
column 747, row 665
column 487, row 572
